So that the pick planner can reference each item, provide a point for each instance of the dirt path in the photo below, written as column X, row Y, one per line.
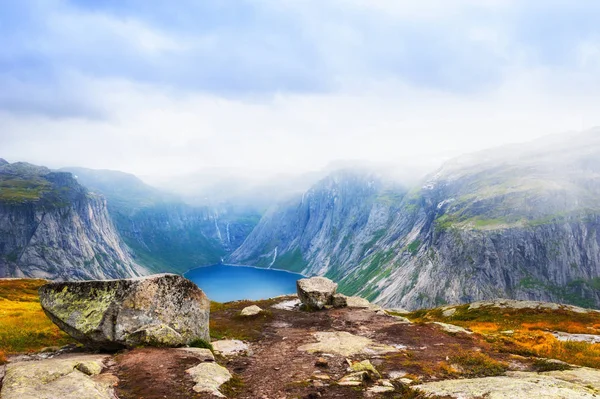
column 276, row 369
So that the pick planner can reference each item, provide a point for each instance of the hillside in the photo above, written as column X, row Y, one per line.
column 518, row 222
column 53, row 227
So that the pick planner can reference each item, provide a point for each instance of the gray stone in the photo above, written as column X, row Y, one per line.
column 451, row 328
column 292, row 304
column 354, row 379
column 250, row 311
column 342, row 301
column 345, row 344
column 566, row 337
column 514, row 385
column 163, row 310
column 68, row 377
column 209, row 377
column 231, row 347
column 316, row 292
column 202, row 354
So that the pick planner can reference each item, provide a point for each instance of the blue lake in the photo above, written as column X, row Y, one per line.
column 223, row 283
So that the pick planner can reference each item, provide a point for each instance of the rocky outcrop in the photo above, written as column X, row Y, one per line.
column 69, row 377
column 159, row 310
column 519, row 385
column 316, row 292
column 52, row 227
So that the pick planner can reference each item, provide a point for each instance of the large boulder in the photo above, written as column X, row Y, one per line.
column 316, row 292
column 158, row 310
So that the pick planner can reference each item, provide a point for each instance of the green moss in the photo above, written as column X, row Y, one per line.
column 200, row 343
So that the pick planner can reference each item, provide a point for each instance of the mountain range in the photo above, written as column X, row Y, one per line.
column 520, row 221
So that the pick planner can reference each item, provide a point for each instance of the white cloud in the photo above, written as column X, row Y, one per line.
column 153, row 130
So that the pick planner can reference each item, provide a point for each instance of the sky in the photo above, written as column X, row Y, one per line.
column 269, row 86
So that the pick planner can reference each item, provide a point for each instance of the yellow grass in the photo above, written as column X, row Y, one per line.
column 23, row 325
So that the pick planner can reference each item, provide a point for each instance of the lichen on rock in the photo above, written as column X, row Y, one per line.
column 159, row 310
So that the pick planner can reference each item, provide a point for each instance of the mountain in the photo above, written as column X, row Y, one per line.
column 333, row 223
column 164, row 232
column 520, row 222
column 53, row 227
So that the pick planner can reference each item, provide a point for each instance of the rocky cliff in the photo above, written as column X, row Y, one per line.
column 165, row 233
column 52, row 227
column 332, row 224
column 519, row 222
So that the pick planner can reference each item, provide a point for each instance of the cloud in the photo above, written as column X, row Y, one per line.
column 149, row 87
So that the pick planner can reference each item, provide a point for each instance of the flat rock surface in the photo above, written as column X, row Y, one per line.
column 67, row 377
column 513, row 385
column 209, row 377
column 230, row 347
column 345, row 344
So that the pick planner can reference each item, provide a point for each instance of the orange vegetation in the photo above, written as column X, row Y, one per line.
column 527, row 331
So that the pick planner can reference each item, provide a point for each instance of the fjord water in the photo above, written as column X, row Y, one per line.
column 224, row 283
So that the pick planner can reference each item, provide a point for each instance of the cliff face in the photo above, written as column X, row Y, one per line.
column 330, row 225
column 519, row 222
column 165, row 233
column 51, row 227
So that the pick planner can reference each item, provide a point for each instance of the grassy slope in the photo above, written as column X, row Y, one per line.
column 23, row 325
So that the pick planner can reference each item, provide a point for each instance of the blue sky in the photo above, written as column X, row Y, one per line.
column 292, row 85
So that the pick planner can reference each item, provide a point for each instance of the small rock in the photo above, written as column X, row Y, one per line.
column 316, row 292
column 380, row 389
column 366, row 365
column 202, row 354
column 209, row 377
column 321, row 377
column 449, row 312
column 354, row 379
column 322, row 362
column 251, row 311
column 451, row 328
column 406, row 381
column 292, row 304
column 395, row 375
column 342, row 301
column 231, row 347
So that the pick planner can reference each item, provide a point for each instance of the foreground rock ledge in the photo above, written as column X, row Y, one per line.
column 158, row 310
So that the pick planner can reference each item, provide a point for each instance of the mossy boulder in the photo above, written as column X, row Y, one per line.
column 158, row 310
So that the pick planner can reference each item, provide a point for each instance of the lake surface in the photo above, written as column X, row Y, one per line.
column 223, row 283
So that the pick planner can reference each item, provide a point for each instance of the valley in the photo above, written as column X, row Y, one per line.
column 518, row 222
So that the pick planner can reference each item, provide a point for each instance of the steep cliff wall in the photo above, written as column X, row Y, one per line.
column 51, row 227
column 165, row 233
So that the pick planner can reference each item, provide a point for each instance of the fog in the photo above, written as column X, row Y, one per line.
column 265, row 90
